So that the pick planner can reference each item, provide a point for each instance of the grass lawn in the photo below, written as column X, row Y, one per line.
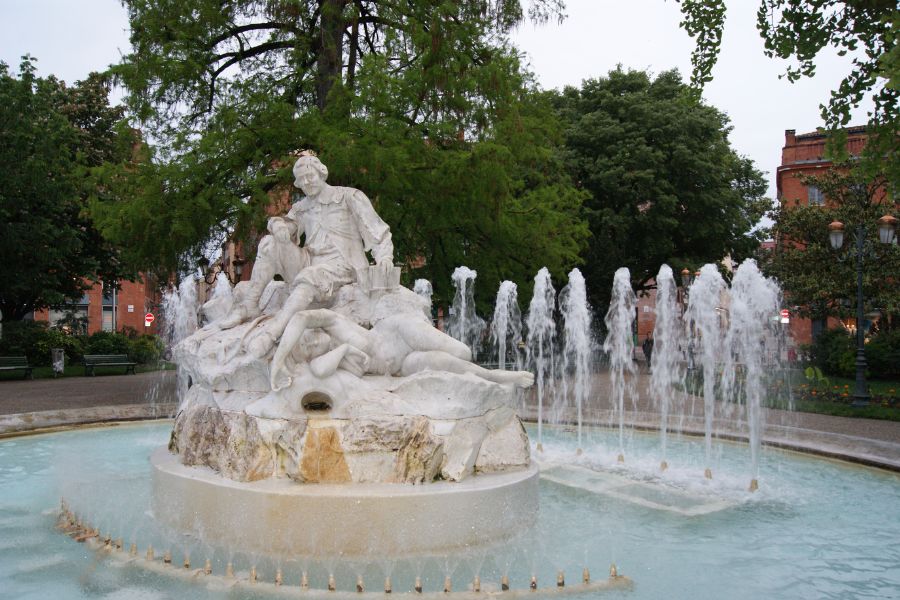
column 77, row 370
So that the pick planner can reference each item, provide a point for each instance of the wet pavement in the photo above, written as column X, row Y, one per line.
column 46, row 403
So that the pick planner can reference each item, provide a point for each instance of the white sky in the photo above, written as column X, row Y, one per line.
column 70, row 38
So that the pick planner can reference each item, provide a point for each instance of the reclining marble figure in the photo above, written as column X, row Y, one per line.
column 396, row 345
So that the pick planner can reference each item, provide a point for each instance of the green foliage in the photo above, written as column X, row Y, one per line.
column 814, row 375
column 34, row 340
column 423, row 106
column 834, row 352
column 145, row 349
column 51, row 136
column 883, row 354
column 106, row 342
column 55, row 338
column 799, row 31
column 665, row 186
column 809, row 269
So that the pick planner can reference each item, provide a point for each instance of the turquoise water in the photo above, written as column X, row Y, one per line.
column 815, row 529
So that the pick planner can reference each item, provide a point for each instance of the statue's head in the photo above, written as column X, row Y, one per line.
column 310, row 174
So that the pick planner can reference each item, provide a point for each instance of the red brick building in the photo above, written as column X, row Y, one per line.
column 804, row 155
column 107, row 309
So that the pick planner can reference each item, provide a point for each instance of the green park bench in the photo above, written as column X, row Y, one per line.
column 15, row 363
column 107, row 360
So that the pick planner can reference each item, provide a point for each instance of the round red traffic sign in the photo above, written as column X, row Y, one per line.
column 149, row 317
column 785, row 313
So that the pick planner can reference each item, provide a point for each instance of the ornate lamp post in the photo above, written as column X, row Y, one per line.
column 211, row 272
column 887, row 234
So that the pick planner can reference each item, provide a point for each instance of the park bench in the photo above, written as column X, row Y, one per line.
column 15, row 363
column 107, row 360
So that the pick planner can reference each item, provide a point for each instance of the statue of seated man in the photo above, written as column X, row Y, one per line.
column 400, row 344
column 340, row 226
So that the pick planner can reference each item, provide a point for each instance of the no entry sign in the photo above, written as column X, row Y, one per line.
column 785, row 315
column 148, row 318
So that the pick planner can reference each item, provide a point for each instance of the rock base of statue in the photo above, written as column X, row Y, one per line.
column 426, row 427
column 279, row 517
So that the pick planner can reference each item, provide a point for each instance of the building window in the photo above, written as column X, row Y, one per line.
column 108, row 321
column 814, row 196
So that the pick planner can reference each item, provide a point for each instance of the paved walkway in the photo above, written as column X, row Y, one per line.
column 27, row 405
column 43, row 403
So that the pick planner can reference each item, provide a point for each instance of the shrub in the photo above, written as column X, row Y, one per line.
column 35, row 339
column 883, row 355
column 20, row 338
column 834, row 352
column 145, row 349
column 106, row 342
column 55, row 338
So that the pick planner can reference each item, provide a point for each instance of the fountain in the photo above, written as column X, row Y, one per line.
column 331, row 442
column 578, row 349
column 180, row 309
column 506, row 326
column 541, row 344
column 341, row 379
column 705, row 302
column 666, row 372
column 423, row 289
column 755, row 300
column 619, row 346
column 464, row 323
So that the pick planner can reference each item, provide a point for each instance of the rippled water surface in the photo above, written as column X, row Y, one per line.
column 815, row 529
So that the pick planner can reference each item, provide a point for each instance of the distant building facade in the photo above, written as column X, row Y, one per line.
column 105, row 308
column 803, row 155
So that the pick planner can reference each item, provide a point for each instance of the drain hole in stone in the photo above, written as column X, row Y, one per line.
column 316, row 401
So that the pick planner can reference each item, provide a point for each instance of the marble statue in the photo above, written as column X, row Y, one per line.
column 340, row 225
column 395, row 345
column 336, row 373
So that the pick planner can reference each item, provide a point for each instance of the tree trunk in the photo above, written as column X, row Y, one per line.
column 331, row 45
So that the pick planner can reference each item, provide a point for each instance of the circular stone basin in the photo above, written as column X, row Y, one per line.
column 817, row 528
column 281, row 517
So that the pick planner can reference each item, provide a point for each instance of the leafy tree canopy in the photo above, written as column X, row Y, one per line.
column 51, row 136
column 799, row 31
column 422, row 105
column 665, row 185
column 820, row 280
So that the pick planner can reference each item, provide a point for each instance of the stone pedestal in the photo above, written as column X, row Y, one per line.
column 279, row 517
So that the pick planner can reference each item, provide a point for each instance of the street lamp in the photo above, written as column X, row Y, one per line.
column 210, row 273
column 887, row 229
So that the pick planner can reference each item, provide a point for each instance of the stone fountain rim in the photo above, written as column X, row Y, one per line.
column 57, row 421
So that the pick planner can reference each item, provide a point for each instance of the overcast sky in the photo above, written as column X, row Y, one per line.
column 70, row 38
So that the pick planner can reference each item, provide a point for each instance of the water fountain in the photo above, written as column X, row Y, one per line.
column 423, row 289
column 619, row 346
column 342, row 381
column 180, row 320
column 305, row 460
column 666, row 372
column 578, row 349
column 541, row 343
column 704, row 311
column 464, row 323
column 506, row 326
column 755, row 301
